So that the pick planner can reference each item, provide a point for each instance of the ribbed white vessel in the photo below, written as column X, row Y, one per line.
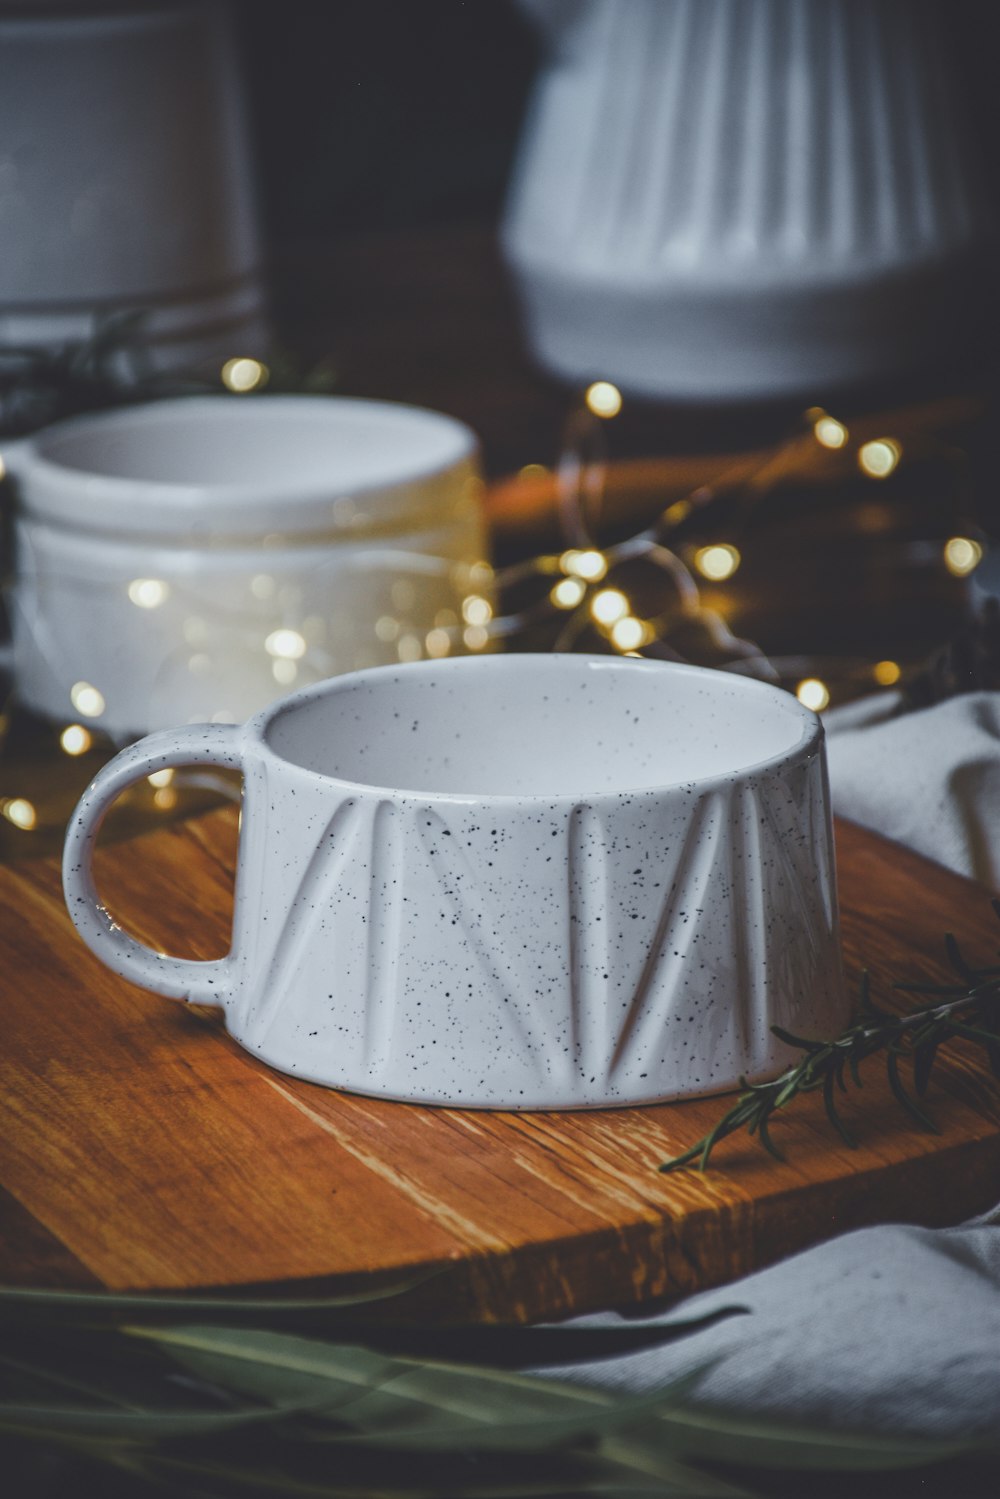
column 727, row 198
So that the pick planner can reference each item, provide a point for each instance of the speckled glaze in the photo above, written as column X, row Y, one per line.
column 512, row 882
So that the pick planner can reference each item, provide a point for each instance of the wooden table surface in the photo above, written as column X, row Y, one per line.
column 140, row 1148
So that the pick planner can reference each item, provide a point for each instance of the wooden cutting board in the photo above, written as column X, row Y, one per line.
column 140, row 1148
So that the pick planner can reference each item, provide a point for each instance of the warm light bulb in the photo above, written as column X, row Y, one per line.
column 608, row 606
column 878, row 459
column 812, row 693
column 437, row 643
column 21, row 813
column 590, row 564
column 628, row 633
column 475, row 637
column 717, row 562
column 962, row 555
column 241, row 375
column 87, row 700
column 161, row 777
column 148, row 593
column 886, row 673
column 288, row 644
column 75, row 739
column 476, row 610
column 830, row 433
column 567, row 593
column 387, row 627
column 603, row 398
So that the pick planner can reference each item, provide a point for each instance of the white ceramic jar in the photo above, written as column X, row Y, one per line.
column 735, row 199
column 191, row 560
column 126, row 180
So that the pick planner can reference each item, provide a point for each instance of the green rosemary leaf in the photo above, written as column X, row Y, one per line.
column 831, row 1111
column 766, row 1141
column 19, row 1303
column 923, row 1060
column 908, row 1103
column 797, row 1041
column 947, row 991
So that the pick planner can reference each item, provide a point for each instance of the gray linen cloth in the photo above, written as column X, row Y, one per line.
column 892, row 1330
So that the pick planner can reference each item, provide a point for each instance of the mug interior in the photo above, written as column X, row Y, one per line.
column 271, row 444
column 547, row 726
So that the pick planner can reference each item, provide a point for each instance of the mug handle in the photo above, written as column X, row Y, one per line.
column 204, row 983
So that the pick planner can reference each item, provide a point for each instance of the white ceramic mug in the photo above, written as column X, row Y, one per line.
column 511, row 881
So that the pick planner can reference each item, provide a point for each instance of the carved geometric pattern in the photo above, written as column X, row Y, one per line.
column 646, row 955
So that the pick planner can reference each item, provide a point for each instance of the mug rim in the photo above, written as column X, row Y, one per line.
column 810, row 742
column 209, row 503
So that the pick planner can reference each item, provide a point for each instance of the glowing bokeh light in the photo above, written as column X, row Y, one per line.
column 879, row 458
column 603, row 399
column 628, row 633
column 387, row 627
column 475, row 637
column 962, row 555
column 814, row 694
column 590, row 564
column 476, row 610
column 287, row 644
column 75, row 739
column 886, row 673
column 567, row 593
column 148, row 593
column 830, row 433
column 242, row 375
column 718, row 561
column 609, row 606
column 87, row 699
column 21, row 813
column 437, row 643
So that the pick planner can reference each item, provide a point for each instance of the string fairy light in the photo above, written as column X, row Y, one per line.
column 879, row 458
column 75, row 739
column 962, row 555
column 241, row 375
column 20, row 812
column 584, row 587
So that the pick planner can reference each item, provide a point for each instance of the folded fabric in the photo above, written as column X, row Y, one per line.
column 929, row 779
column 892, row 1330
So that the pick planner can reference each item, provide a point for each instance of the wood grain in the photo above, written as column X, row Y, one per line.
column 140, row 1148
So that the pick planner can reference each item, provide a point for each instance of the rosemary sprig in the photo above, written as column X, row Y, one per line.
column 968, row 1008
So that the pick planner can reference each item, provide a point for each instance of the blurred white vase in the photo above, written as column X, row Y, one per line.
column 125, row 180
column 730, row 199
